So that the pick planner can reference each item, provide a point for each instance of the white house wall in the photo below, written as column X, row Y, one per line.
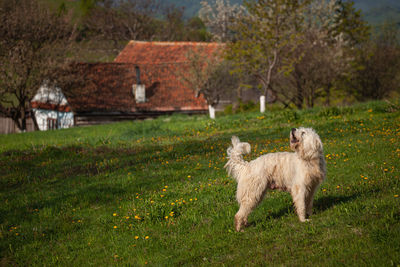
column 64, row 119
column 51, row 95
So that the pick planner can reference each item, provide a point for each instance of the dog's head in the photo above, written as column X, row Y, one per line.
column 306, row 142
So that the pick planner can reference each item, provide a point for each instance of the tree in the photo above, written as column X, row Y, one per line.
column 122, row 20
column 220, row 18
column 377, row 69
column 324, row 54
column 196, row 31
column 173, row 25
column 208, row 75
column 33, row 45
column 350, row 23
column 265, row 42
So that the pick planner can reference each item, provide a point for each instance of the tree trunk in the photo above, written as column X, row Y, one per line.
column 211, row 110
column 23, row 120
column 35, row 124
column 299, row 96
column 328, row 95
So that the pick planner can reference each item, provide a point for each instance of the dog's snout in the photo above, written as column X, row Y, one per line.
column 293, row 130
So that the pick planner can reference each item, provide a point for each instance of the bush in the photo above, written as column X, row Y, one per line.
column 335, row 111
column 246, row 106
column 228, row 110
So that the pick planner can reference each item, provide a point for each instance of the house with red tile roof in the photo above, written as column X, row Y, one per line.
column 143, row 81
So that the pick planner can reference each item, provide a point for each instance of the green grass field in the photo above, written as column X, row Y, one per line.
column 155, row 192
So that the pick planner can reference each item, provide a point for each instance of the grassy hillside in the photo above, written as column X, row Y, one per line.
column 155, row 192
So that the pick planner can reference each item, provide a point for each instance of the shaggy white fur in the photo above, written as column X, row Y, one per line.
column 299, row 173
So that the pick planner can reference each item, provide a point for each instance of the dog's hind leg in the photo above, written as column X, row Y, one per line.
column 241, row 216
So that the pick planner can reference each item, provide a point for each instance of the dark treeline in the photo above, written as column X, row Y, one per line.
column 119, row 21
column 297, row 53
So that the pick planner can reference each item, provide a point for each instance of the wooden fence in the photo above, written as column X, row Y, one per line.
column 7, row 126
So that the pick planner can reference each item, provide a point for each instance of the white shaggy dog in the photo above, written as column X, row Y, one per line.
column 299, row 173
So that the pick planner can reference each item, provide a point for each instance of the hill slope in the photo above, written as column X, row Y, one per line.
column 155, row 192
column 375, row 12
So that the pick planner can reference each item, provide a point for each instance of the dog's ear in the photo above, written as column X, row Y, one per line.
column 235, row 140
column 229, row 151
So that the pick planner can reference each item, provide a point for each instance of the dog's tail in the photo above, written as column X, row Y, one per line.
column 235, row 152
column 238, row 148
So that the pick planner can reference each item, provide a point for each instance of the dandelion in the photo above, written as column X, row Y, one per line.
column 137, row 217
column 114, row 214
column 146, row 237
column 396, row 195
column 115, row 227
column 136, row 237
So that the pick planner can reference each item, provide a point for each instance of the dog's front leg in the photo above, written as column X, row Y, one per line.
column 310, row 199
column 299, row 200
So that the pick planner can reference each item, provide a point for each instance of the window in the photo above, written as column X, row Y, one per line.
column 52, row 124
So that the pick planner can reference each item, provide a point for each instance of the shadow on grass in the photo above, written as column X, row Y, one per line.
column 320, row 204
column 88, row 196
column 326, row 202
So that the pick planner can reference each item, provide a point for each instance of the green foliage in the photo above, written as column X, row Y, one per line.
column 246, row 106
column 335, row 111
column 228, row 110
column 376, row 73
column 87, row 5
column 265, row 40
column 351, row 23
column 155, row 192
